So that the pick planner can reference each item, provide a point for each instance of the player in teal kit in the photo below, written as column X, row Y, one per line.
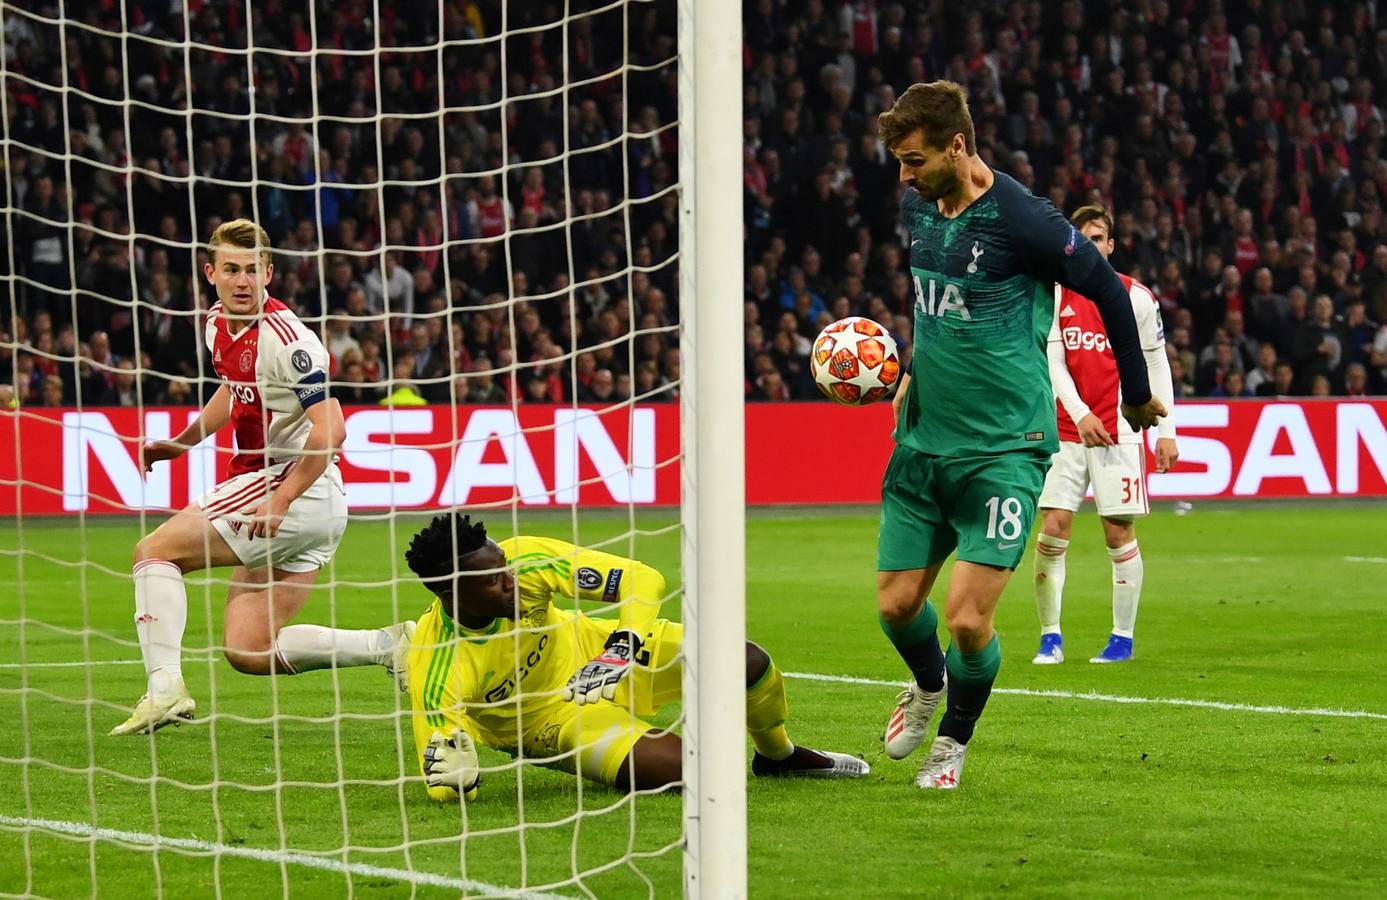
column 975, row 417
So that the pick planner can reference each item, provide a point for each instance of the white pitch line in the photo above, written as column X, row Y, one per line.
column 1015, row 692
column 78, row 664
column 1117, row 698
column 139, row 838
column 1366, row 559
column 73, row 665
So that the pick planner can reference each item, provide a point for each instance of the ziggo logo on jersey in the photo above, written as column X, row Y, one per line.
column 1077, row 339
column 243, row 392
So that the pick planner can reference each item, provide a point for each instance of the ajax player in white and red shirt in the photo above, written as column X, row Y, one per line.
column 279, row 515
column 1098, row 447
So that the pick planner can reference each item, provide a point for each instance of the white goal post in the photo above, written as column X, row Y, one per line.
column 714, row 471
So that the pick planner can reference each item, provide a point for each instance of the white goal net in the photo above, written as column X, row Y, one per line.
column 486, row 212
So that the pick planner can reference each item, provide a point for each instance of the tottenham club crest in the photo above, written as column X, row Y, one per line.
column 301, row 361
column 977, row 254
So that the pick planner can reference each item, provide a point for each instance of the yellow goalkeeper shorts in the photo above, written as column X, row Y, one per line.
column 596, row 738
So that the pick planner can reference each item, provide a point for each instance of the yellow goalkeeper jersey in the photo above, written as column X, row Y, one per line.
column 489, row 681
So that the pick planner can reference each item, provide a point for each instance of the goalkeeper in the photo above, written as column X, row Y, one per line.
column 493, row 661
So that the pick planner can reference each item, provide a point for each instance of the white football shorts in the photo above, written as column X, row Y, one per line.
column 1117, row 473
column 307, row 537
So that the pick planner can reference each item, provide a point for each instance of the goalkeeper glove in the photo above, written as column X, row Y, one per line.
column 599, row 678
column 452, row 762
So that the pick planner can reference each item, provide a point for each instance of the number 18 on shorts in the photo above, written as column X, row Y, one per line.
column 981, row 506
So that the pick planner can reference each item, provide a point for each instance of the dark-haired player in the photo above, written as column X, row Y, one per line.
column 494, row 661
column 975, row 418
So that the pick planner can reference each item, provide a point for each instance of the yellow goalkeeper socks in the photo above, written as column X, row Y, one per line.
column 766, row 711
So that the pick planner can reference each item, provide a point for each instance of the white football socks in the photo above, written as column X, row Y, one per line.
column 1049, row 581
column 161, row 614
column 1127, row 571
column 302, row 648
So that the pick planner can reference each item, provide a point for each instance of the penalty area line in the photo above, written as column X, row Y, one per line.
column 1096, row 697
column 286, row 857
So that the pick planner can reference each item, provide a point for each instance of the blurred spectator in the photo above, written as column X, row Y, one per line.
column 482, row 387
column 1319, row 346
column 52, row 394
column 1355, row 380
column 1265, row 371
column 1233, row 385
column 123, row 391
column 1284, row 383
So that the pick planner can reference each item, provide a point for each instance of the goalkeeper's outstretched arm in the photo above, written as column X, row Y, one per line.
column 640, row 590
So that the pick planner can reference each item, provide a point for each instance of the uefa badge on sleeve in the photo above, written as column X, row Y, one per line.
column 301, row 361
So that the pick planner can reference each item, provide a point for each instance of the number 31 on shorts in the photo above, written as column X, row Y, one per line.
column 1003, row 518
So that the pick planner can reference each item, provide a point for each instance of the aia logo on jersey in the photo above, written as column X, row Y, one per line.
column 1078, row 339
column 937, row 303
column 247, row 359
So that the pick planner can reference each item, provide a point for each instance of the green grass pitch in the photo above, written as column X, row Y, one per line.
column 1275, row 606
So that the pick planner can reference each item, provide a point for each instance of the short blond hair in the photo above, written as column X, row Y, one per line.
column 242, row 233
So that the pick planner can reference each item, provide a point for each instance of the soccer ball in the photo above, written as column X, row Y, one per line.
column 855, row 361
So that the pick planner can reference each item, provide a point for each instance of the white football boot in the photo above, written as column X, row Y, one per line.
column 154, row 711
column 908, row 723
column 944, row 767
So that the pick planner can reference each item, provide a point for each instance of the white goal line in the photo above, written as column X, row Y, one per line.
column 284, row 857
column 1118, row 698
column 1091, row 696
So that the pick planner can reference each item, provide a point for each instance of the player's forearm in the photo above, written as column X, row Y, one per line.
column 1105, row 289
column 1066, row 391
column 212, row 419
column 641, row 598
column 323, row 442
column 1162, row 388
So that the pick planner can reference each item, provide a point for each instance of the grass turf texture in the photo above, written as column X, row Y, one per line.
column 1251, row 604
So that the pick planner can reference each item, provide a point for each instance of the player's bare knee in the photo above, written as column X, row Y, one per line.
column 653, row 763
column 248, row 656
column 246, row 662
column 151, row 547
column 758, row 663
column 897, row 607
column 970, row 630
column 1118, row 532
column 1056, row 523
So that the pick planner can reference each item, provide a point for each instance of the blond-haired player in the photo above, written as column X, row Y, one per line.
column 279, row 515
column 1098, row 447
column 496, row 661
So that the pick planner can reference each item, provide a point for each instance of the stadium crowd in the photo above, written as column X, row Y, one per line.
column 1238, row 145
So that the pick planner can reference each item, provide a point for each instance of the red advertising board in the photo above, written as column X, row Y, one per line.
column 55, row 462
